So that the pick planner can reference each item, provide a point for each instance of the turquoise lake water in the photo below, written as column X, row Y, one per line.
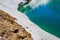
column 47, row 17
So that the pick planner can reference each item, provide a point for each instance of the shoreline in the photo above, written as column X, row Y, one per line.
column 37, row 33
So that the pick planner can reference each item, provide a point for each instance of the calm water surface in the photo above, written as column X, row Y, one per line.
column 47, row 17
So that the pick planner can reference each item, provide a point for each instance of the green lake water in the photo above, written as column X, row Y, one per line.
column 47, row 17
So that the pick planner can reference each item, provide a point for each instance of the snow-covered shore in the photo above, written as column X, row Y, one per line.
column 37, row 33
